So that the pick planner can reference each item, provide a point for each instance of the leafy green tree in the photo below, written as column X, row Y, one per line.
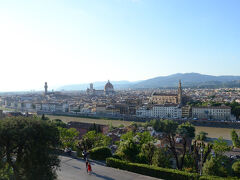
column 110, row 126
column 162, row 158
column 102, row 140
column 127, row 136
column 235, row 108
column 143, row 142
column 68, row 137
column 189, row 162
column 121, row 126
column 170, row 129
column 196, row 153
column 202, row 136
column 28, row 147
column 128, row 150
column 235, row 138
column 6, row 172
column 220, row 146
column 145, row 137
column 141, row 138
column 134, row 127
column 147, row 151
column 87, row 141
column 236, row 168
column 92, row 140
column 59, row 123
column 157, row 125
column 218, row 166
column 95, row 127
column 186, row 131
column 44, row 117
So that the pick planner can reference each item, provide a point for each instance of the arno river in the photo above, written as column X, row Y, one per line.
column 217, row 132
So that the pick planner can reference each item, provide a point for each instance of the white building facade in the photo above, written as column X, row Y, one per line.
column 160, row 111
column 213, row 113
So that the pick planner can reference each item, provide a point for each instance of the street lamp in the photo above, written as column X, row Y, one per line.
column 201, row 163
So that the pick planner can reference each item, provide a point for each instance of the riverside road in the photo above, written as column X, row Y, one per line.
column 75, row 169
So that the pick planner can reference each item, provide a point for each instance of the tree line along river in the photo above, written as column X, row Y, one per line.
column 213, row 132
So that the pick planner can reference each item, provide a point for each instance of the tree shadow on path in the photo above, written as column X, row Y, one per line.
column 70, row 165
column 102, row 163
column 103, row 177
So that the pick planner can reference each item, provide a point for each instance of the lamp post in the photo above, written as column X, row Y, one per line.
column 201, row 162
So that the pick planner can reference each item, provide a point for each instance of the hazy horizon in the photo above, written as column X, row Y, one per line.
column 75, row 42
column 98, row 84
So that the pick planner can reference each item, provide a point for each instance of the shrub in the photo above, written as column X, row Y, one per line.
column 79, row 153
column 217, row 178
column 218, row 166
column 100, row 153
column 162, row 158
column 141, row 158
column 153, row 171
column 6, row 173
column 59, row 123
column 129, row 149
column 201, row 136
column 236, row 168
column 116, row 156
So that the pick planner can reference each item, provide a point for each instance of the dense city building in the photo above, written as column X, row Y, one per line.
column 131, row 104
column 212, row 113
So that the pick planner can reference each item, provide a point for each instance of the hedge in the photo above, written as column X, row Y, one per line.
column 100, row 153
column 236, row 168
column 158, row 172
column 217, row 178
column 153, row 171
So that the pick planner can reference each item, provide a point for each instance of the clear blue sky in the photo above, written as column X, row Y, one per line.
column 78, row 41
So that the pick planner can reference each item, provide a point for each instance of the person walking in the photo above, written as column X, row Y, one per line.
column 84, row 153
column 89, row 169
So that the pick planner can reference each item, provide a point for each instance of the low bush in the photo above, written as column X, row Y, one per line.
column 153, row 171
column 116, row 156
column 217, row 178
column 100, row 153
column 218, row 166
column 79, row 153
column 236, row 168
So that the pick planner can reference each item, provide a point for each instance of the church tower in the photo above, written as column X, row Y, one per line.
column 45, row 87
column 180, row 93
column 91, row 86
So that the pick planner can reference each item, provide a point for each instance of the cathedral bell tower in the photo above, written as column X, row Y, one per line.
column 180, row 93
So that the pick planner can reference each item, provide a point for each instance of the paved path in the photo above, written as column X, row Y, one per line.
column 75, row 169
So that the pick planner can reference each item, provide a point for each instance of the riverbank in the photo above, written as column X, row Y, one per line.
column 214, row 133
column 67, row 119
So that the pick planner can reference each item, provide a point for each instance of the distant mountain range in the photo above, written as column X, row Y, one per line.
column 194, row 80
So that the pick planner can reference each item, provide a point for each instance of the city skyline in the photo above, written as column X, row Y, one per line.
column 70, row 42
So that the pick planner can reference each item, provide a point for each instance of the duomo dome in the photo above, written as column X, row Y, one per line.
column 108, row 86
